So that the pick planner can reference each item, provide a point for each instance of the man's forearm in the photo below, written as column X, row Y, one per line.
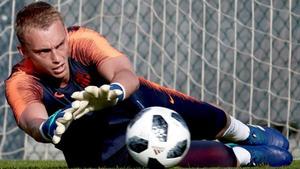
column 120, row 70
column 32, row 128
column 128, row 80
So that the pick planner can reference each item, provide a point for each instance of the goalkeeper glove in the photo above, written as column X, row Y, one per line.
column 95, row 98
column 53, row 128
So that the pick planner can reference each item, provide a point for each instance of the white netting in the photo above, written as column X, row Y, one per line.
column 239, row 54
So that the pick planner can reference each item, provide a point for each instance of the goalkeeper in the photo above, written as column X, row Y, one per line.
column 73, row 89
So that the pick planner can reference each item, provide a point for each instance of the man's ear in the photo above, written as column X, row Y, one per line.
column 67, row 39
column 21, row 50
column 67, row 33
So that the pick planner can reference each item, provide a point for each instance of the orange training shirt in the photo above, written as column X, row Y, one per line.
column 86, row 46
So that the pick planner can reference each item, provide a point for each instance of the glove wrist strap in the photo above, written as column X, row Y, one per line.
column 41, row 129
column 114, row 86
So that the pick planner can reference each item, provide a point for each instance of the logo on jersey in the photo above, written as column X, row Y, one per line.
column 171, row 100
column 59, row 95
column 83, row 79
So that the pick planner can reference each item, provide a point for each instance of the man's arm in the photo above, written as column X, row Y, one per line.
column 35, row 121
column 114, row 66
column 120, row 70
column 123, row 82
column 89, row 47
column 31, row 119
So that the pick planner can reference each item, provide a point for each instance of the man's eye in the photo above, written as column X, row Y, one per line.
column 43, row 51
column 61, row 45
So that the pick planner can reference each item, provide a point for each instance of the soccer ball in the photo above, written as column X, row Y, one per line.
column 158, row 137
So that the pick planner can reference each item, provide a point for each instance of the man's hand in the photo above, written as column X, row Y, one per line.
column 95, row 98
column 53, row 128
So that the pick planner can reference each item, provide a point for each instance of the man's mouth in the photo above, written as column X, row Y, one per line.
column 59, row 69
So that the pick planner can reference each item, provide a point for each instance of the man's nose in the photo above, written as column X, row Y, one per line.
column 55, row 56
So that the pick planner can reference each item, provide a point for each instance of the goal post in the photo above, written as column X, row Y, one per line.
column 242, row 55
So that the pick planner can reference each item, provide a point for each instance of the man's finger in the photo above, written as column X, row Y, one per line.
column 77, row 95
column 78, row 105
column 67, row 124
column 68, row 114
column 103, row 91
column 81, row 107
column 113, row 94
column 75, row 104
column 81, row 113
column 60, row 129
column 64, row 120
column 82, row 95
column 56, row 139
column 92, row 90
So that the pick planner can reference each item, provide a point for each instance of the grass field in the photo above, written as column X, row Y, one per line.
column 62, row 164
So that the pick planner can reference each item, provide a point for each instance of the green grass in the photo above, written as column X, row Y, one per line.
column 62, row 164
column 32, row 164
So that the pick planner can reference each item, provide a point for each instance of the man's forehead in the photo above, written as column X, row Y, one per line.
column 45, row 38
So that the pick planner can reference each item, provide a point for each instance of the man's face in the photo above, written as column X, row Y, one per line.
column 48, row 50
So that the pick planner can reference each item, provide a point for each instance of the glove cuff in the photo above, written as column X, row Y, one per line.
column 48, row 127
column 114, row 86
column 42, row 132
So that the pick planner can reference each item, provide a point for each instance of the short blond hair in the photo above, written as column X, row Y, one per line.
column 35, row 15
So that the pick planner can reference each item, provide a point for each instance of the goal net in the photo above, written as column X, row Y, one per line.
column 242, row 55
